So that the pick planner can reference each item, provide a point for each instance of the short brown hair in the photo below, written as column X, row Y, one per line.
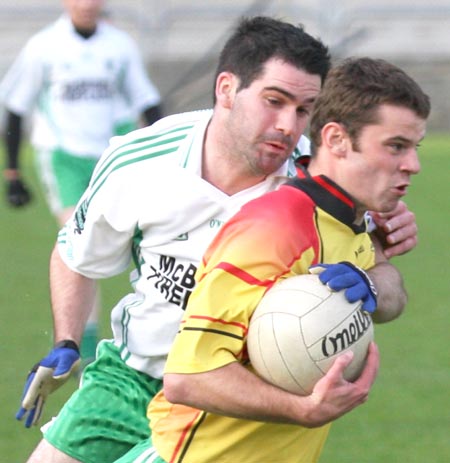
column 355, row 89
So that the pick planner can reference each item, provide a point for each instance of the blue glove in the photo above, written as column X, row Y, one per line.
column 355, row 281
column 45, row 377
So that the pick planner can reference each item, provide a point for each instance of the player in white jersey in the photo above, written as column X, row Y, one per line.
column 157, row 197
column 76, row 78
column 168, row 231
column 84, row 81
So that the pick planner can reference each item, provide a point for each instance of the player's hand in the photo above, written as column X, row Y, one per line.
column 396, row 230
column 17, row 194
column 355, row 281
column 334, row 396
column 45, row 377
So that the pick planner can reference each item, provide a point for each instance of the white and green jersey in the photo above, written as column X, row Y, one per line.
column 79, row 89
column 147, row 202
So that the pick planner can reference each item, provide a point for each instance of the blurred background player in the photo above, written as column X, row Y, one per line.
column 84, row 81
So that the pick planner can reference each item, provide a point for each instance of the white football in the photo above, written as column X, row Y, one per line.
column 298, row 330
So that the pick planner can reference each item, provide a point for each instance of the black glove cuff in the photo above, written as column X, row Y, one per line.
column 67, row 343
column 366, row 278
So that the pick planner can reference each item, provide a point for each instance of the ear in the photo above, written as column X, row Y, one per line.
column 226, row 86
column 335, row 138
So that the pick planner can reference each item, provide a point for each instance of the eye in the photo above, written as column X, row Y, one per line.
column 274, row 101
column 302, row 111
column 397, row 147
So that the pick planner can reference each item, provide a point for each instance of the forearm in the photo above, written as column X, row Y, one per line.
column 72, row 297
column 13, row 138
column 236, row 392
column 392, row 296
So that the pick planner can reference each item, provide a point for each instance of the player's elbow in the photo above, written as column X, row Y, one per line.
column 176, row 388
column 390, row 310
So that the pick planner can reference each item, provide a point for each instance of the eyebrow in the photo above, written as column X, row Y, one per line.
column 399, row 138
column 289, row 95
column 404, row 139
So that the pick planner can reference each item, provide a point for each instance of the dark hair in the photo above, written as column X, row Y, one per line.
column 258, row 39
column 355, row 89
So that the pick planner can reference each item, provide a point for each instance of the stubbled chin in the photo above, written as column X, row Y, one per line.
column 389, row 206
column 270, row 167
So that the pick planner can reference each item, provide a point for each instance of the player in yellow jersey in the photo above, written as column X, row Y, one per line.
column 365, row 128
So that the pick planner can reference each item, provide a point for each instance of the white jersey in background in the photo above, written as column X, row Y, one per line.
column 147, row 201
column 77, row 87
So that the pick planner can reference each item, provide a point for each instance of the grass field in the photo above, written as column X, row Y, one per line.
column 406, row 420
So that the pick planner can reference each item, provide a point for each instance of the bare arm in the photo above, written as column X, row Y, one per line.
column 13, row 140
column 234, row 391
column 72, row 298
column 392, row 296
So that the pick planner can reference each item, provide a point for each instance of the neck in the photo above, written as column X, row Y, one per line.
column 359, row 217
column 327, row 166
column 85, row 32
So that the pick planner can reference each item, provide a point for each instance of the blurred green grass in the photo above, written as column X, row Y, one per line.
column 407, row 418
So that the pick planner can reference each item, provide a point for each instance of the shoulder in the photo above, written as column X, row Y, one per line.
column 281, row 214
column 178, row 125
column 159, row 144
column 119, row 37
column 270, row 214
column 275, row 229
column 43, row 38
column 180, row 120
column 286, row 204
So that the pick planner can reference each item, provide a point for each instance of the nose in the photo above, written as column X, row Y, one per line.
column 411, row 163
column 288, row 123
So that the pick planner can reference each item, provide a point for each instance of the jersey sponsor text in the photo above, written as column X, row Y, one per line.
column 87, row 90
column 173, row 279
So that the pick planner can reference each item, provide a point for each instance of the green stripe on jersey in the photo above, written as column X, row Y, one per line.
column 128, row 162
column 150, row 147
column 118, row 151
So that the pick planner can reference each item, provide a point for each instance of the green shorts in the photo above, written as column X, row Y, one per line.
column 144, row 452
column 64, row 177
column 106, row 416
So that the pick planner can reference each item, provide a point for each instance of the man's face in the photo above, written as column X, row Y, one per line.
column 381, row 170
column 267, row 118
column 84, row 13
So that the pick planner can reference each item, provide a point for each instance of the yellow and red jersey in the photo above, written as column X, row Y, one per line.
column 307, row 221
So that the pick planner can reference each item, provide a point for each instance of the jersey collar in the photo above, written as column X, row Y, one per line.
column 329, row 196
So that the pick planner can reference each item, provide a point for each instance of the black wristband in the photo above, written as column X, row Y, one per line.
column 67, row 343
column 366, row 278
